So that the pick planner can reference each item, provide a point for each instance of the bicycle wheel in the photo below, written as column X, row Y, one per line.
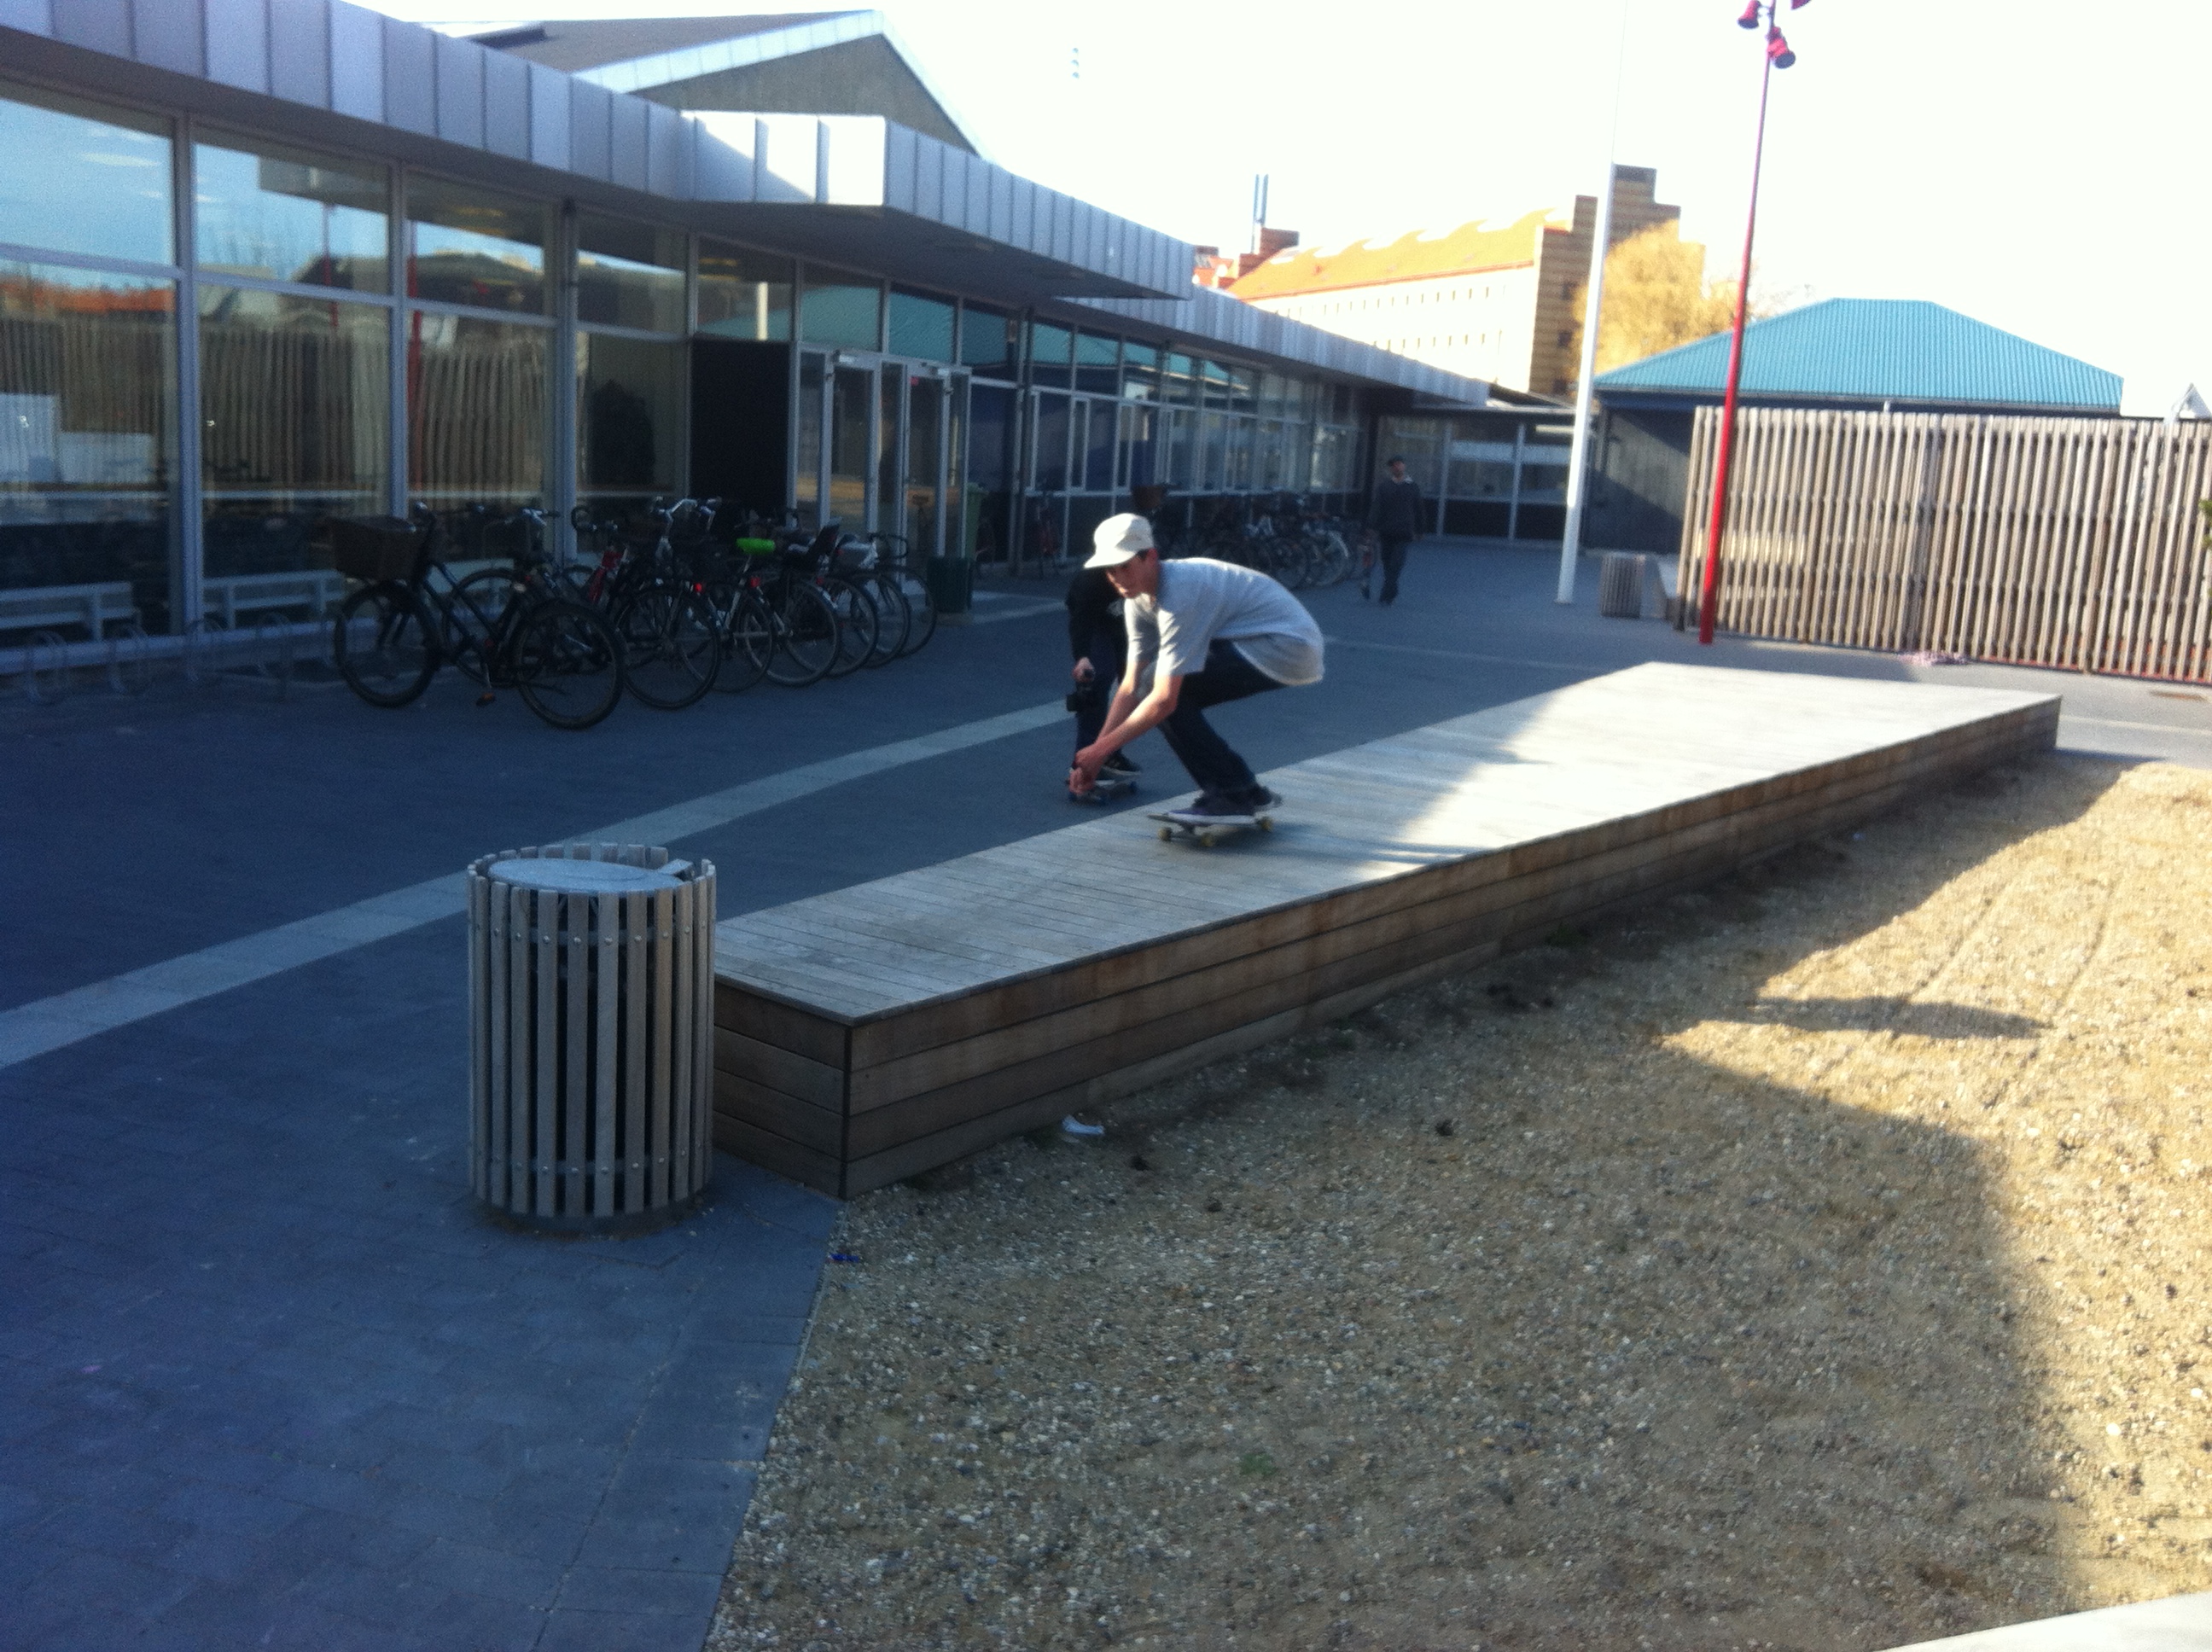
column 385, row 644
column 748, row 641
column 857, row 626
column 921, row 613
column 567, row 663
column 471, row 616
column 806, row 636
column 671, row 646
column 894, row 619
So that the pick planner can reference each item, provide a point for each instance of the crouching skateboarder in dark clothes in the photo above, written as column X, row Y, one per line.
column 1210, row 633
column 1095, row 638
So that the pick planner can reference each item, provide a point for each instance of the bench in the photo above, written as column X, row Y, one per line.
column 869, row 1033
column 41, row 607
column 318, row 590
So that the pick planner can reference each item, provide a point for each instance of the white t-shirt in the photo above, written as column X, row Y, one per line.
column 1200, row 602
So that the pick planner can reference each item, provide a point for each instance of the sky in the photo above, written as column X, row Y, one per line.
column 2036, row 165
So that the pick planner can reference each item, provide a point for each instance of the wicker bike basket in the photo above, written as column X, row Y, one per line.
column 374, row 548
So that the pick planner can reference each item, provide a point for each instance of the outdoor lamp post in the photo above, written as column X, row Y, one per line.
column 1756, row 13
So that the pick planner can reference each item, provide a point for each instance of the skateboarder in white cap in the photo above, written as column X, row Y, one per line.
column 1209, row 632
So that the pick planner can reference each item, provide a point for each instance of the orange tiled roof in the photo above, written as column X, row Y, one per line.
column 1413, row 256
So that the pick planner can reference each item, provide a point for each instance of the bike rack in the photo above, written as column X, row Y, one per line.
column 202, row 639
column 55, row 688
column 129, row 659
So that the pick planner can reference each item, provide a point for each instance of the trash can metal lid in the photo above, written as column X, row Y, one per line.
column 580, row 877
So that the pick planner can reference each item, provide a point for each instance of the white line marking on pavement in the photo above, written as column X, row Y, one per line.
column 1029, row 612
column 50, row 1024
column 2148, row 728
column 1454, row 653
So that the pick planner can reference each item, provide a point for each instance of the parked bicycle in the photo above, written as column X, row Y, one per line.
column 671, row 641
column 501, row 627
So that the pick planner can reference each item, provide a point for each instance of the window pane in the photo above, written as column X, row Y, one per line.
column 990, row 455
column 476, row 410
column 808, row 490
column 1098, row 363
column 1048, row 353
column 100, row 183
column 1141, row 371
column 741, row 293
column 1052, row 432
column 1098, row 470
column 630, row 417
column 294, row 415
column 628, row 275
column 285, row 214
column 985, row 341
column 837, row 308
column 921, row 327
column 1179, row 382
column 1183, row 465
column 851, row 412
column 465, row 245
column 85, row 443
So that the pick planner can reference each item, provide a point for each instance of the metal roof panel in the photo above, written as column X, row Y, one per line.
column 1878, row 349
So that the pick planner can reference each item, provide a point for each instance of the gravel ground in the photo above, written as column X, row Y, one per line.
column 1817, row 1261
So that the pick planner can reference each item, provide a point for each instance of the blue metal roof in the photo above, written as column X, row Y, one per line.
column 1877, row 349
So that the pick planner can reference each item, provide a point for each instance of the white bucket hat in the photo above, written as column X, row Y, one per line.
column 1120, row 539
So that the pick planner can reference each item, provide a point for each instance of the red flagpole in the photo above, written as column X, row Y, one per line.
column 1708, row 586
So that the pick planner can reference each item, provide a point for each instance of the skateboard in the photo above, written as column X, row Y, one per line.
column 1106, row 788
column 1205, row 836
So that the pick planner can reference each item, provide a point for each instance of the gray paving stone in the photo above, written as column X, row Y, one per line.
column 642, row 1590
column 569, row 1630
column 486, row 1623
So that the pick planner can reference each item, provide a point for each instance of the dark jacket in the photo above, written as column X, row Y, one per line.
column 1393, row 510
column 1091, row 599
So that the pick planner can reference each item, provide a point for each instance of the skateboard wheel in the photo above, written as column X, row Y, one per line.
column 1166, row 833
column 1205, row 840
column 1267, row 823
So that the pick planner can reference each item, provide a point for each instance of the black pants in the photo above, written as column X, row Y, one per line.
column 1105, row 652
column 1213, row 766
column 1393, row 563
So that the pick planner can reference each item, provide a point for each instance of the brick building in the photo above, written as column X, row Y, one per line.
column 1490, row 300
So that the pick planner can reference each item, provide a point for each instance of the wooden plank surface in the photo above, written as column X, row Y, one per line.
column 1533, row 769
column 866, row 1034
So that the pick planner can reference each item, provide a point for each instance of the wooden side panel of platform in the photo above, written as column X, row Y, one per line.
column 885, row 1070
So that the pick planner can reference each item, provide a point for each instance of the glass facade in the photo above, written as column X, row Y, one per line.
column 284, row 215
column 295, row 419
column 919, row 327
column 465, row 245
column 841, row 309
column 628, row 275
column 630, row 418
column 88, row 434
column 100, row 184
column 987, row 340
column 477, row 396
column 362, row 334
column 743, row 294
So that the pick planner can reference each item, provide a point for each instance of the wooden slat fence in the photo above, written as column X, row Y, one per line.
column 2079, row 543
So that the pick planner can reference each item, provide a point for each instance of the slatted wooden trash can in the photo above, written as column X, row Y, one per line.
column 591, row 992
column 1620, row 586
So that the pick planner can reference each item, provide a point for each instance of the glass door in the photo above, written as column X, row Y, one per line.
column 851, row 407
column 925, row 462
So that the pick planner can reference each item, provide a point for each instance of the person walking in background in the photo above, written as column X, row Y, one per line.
column 1394, row 511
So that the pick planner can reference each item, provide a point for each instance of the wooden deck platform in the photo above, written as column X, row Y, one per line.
column 863, row 1035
